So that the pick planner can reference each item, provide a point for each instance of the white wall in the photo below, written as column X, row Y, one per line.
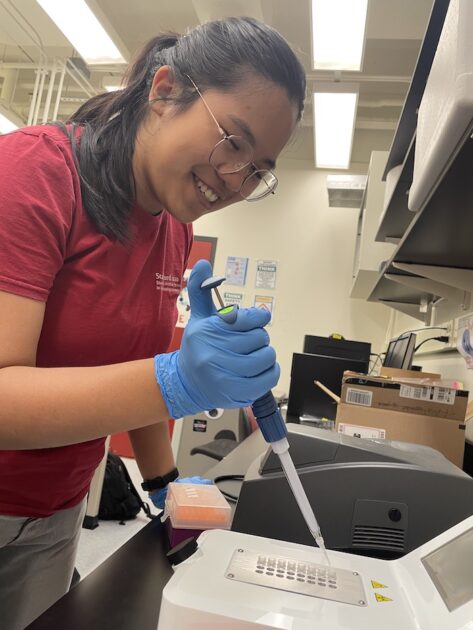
column 314, row 245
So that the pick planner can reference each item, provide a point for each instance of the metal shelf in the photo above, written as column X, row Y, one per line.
column 394, row 289
column 432, row 265
column 433, row 260
column 397, row 216
column 408, row 120
column 407, row 308
column 441, row 234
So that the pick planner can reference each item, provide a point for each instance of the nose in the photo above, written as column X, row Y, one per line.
column 234, row 181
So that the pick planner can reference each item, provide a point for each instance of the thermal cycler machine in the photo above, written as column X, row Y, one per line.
column 242, row 582
column 370, row 497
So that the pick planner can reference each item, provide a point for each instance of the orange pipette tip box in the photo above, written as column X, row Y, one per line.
column 196, row 506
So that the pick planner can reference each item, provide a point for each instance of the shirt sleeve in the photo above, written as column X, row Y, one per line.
column 37, row 202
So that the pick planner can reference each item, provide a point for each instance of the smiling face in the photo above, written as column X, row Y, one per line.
column 171, row 159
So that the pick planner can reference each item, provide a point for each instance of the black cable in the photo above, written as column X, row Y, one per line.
column 442, row 338
column 229, row 478
column 227, row 495
column 230, row 497
column 419, row 330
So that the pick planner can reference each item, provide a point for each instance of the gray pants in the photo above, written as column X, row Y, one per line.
column 37, row 558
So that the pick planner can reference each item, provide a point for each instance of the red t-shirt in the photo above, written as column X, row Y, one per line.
column 105, row 302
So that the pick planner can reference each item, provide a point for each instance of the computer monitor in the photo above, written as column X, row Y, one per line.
column 400, row 352
column 305, row 398
column 344, row 348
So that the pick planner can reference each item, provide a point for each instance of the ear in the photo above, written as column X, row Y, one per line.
column 161, row 89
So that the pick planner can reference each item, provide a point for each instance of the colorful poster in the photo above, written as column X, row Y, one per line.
column 265, row 302
column 183, row 304
column 232, row 298
column 235, row 270
column 266, row 272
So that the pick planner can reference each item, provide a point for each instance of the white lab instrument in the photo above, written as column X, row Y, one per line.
column 241, row 582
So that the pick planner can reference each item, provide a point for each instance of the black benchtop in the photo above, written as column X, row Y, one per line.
column 123, row 593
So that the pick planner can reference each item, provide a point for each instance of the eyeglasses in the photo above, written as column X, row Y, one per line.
column 234, row 154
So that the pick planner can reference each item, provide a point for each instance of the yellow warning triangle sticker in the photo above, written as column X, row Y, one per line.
column 377, row 584
column 382, row 598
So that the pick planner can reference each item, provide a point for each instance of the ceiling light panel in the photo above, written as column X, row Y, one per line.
column 334, row 125
column 111, row 84
column 82, row 28
column 6, row 125
column 338, row 34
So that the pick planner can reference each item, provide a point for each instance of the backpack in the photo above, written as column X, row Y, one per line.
column 120, row 499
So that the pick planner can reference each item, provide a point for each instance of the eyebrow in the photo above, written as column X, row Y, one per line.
column 249, row 134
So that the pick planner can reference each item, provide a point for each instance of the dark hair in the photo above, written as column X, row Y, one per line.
column 218, row 55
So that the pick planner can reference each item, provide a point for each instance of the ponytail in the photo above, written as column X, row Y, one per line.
column 104, row 153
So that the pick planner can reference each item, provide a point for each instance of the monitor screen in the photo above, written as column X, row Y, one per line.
column 400, row 352
column 344, row 348
column 305, row 398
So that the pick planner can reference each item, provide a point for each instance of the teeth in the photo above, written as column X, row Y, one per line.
column 208, row 193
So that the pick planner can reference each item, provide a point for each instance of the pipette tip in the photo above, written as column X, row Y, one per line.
column 321, row 544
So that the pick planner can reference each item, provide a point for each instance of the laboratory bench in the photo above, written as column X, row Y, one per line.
column 123, row 593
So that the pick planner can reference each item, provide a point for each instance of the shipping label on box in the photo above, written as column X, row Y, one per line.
column 359, row 397
column 435, row 394
column 416, row 398
column 356, row 430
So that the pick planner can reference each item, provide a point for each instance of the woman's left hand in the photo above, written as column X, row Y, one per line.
column 158, row 497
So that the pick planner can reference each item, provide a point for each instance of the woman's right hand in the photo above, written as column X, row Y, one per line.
column 219, row 364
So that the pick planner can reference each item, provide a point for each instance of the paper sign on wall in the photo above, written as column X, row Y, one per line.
column 266, row 303
column 266, row 272
column 230, row 298
column 235, row 270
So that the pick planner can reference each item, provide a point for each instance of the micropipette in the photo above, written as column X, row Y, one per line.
column 273, row 429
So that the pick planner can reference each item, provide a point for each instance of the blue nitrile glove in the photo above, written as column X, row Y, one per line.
column 159, row 496
column 219, row 364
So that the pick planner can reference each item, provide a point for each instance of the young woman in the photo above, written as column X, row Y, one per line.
column 95, row 232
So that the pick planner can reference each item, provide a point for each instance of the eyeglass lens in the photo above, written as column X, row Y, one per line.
column 232, row 155
column 258, row 185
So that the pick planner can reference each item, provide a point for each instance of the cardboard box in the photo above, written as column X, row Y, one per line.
column 408, row 396
column 396, row 373
column 446, row 436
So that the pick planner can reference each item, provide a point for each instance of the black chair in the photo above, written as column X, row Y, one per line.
column 225, row 440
